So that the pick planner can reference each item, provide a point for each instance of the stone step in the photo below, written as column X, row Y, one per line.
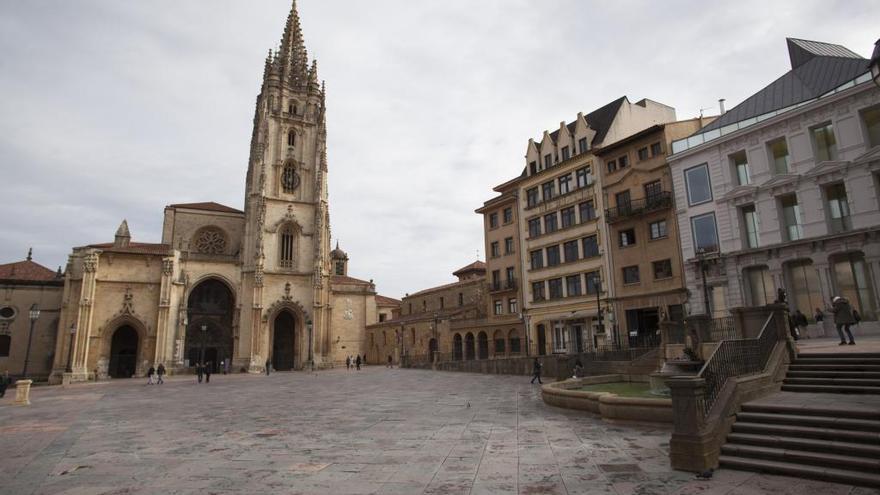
column 861, row 361
column 856, row 382
column 861, row 450
column 863, row 425
column 833, row 389
column 834, row 374
column 834, row 367
column 812, row 410
column 826, row 355
column 801, row 471
column 832, row 434
column 824, row 459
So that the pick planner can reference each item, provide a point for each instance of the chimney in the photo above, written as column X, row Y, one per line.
column 721, row 106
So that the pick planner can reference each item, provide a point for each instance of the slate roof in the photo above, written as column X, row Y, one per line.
column 27, row 271
column 134, row 248
column 207, row 206
column 816, row 69
column 599, row 120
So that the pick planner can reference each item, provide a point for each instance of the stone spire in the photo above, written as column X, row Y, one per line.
column 313, row 77
column 123, row 236
column 293, row 57
column 30, row 255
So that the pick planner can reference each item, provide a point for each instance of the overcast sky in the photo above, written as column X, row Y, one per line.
column 112, row 110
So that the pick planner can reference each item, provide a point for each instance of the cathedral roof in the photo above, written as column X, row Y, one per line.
column 207, row 206
column 27, row 271
column 134, row 248
column 344, row 279
column 387, row 301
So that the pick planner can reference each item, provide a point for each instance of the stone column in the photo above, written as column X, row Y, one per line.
column 84, row 318
column 691, row 447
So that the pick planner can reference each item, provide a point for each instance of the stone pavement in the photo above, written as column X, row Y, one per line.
column 864, row 343
column 339, row 432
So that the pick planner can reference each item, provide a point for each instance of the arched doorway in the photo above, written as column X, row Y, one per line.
column 456, row 347
column 482, row 346
column 123, row 352
column 469, row 347
column 209, row 336
column 283, row 341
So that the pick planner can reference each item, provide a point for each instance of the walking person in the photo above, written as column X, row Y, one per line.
column 4, row 383
column 536, row 371
column 150, row 373
column 160, row 373
column 357, row 362
column 390, row 365
column 200, row 370
column 843, row 318
column 208, row 372
column 819, row 316
column 348, row 362
column 364, row 360
column 268, row 367
column 800, row 322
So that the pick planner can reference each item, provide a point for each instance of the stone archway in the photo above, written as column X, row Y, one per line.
column 123, row 352
column 209, row 335
column 456, row 347
column 284, row 341
column 469, row 348
column 482, row 346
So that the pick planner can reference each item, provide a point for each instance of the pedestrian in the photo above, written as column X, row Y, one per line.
column 390, row 365
column 819, row 316
column 843, row 318
column 160, row 373
column 4, row 383
column 225, row 366
column 857, row 316
column 208, row 372
column 364, row 360
column 578, row 368
column 268, row 367
column 357, row 362
column 200, row 370
column 536, row 371
column 348, row 362
column 150, row 373
column 792, row 329
column 800, row 322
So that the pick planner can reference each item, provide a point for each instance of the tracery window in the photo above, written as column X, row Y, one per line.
column 210, row 240
column 286, row 251
column 289, row 179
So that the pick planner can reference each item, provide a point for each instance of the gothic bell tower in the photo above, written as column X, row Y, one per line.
column 285, row 257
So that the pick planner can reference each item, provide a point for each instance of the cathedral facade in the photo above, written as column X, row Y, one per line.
column 229, row 288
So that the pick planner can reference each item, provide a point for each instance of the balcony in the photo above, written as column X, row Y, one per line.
column 636, row 207
column 499, row 286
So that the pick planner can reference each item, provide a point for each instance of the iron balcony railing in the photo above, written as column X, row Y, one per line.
column 654, row 202
column 500, row 286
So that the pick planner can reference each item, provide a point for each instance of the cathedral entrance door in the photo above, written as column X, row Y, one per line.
column 209, row 335
column 283, row 342
column 123, row 352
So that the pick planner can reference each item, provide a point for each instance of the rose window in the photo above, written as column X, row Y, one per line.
column 211, row 241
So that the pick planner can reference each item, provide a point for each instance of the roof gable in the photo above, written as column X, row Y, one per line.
column 207, row 206
column 27, row 270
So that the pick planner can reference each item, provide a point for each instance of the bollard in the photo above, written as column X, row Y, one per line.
column 23, row 392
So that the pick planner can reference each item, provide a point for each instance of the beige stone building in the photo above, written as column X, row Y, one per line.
column 565, row 270
column 448, row 319
column 504, row 317
column 643, row 241
column 248, row 287
column 28, row 288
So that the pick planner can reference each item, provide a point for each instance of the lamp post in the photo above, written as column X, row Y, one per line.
column 33, row 314
column 875, row 63
column 311, row 355
column 436, row 346
column 72, row 331
column 204, row 338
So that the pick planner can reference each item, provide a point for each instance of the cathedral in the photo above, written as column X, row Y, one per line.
column 238, row 290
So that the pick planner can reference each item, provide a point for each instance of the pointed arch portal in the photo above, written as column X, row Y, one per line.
column 209, row 335
column 284, row 341
column 123, row 352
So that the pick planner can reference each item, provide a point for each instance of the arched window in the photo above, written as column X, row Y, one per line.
column 289, row 179
column 5, row 341
column 291, row 138
column 340, row 268
column 287, row 247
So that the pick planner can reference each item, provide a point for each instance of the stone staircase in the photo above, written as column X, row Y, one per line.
column 825, row 424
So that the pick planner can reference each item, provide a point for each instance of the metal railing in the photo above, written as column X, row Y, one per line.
column 737, row 357
column 635, row 207
column 712, row 330
column 498, row 286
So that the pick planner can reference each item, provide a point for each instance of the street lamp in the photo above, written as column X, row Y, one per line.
column 33, row 314
column 875, row 63
column 311, row 356
column 72, row 331
column 436, row 346
column 204, row 339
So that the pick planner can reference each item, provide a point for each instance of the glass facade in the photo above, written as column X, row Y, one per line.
column 854, row 283
column 750, row 226
column 838, row 208
column 705, row 233
column 741, row 168
column 825, row 143
column 699, row 188
column 778, row 150
column 791, row 217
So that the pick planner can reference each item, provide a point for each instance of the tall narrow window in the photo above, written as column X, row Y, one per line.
column 699, row 188
column 653, row 191
column 593, row 282
column 853, row 281
column 289, row 179
column 583, row 177
column 778, row 150
column 547, row 190
column 838, row 208
column 587, row 211
column 548, row 161
column 291, row 138
column 591, row 246
column 705, row 233
column 804, row 286
column 553, row 258
column 550, row 224
column 825, row 143
column 554, row 286
column 532, row 197
column 565, row 154
column 535, row 227
column 871, row 117
column 582, row 145
column 533, row 167
column 760, row 285
column 570, row 249
column 567, row 215
column 565, row 184
column 493, row 220
column 750, row 226
column 573, row 285
column 287, row 247
column 791, row 217
column 537, row 258
column 740, row 164
column 538, row 291
column 508, row 215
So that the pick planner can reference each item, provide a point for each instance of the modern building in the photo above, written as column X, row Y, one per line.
column 253, row 287
column 30, row 305
column 642, row 244
column 782, row 191
column 504, row 316
column 565, row 272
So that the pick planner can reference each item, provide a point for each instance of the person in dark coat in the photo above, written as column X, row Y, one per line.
column 843, row 318
column 208, row 372
column 4, row 383
column 268, row 367
column 536, row 371
column 150, row 373
column 857, row 316
column 200, row 370
column 357, row 362
column 160, row 373
column 800, row 322
column 819, row 316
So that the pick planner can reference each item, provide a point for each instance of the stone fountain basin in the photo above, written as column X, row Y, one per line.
column 569, row 394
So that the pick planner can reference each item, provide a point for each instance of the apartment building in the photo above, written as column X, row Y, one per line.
column 643, row 243
column 782, row 191
column 504, row 322
column 560, row 207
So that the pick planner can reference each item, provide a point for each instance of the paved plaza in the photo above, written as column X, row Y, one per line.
column 339, row 432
